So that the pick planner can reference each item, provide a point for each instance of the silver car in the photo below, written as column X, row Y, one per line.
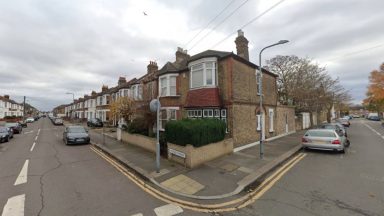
column 327, row 139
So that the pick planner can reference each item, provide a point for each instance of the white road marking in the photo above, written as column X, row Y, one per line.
column 28, row 132
column 22, row 178
column 33, row 146
column 375, row 131
column 168, row 210
column 38, row 132
column 138, row 214
column 36, row 138
column 14, row 206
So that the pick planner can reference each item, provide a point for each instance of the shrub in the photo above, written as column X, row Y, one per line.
column 139, row 126
column 197, row 132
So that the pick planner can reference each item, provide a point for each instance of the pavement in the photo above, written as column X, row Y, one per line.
column 221, row 178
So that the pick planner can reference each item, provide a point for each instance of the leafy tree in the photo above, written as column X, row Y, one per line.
column 123, row 107
column 375, row 93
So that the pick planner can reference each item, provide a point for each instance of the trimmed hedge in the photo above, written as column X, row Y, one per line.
column 138, row 126
column 197, row 132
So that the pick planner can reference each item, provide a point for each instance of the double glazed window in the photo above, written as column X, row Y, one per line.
column 203, row 73
column 168, row 85
column 167, row 115
column 209, row 113
column 137, row 92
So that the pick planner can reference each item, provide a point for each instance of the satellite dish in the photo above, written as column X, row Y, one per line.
column 154, row 105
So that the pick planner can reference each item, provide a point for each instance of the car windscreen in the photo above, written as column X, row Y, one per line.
column 3, row 130
column 327, row 126
column 76, row 130
column 10, row 124
column 320, row 133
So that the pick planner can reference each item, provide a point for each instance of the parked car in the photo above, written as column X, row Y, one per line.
column 325, row 139
column 58, row 121
column 15, row 126
column 374, row 118
column 337, row 127
column 344, row 121
column 10, row 132
column 23, row 124
column 76, row 135
column 4, row 134
column 30, row 120
column 95, row 122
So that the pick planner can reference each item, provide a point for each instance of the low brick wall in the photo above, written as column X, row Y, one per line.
column 197, row 156
column 138, row 140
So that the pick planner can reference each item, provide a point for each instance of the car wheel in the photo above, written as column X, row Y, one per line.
column 7, row 139
column 343, row 151
column 348, row 143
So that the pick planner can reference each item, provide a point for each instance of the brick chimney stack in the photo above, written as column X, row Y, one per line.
column 121, row 81
column 181, row 55
column 152, row 67
column 242, row 45
column 6, row 97
column 104, row 88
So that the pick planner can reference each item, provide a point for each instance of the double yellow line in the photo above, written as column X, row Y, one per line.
column 207, row 208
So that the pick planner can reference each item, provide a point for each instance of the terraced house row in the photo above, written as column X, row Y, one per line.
column 10, row 107
column 210, row 84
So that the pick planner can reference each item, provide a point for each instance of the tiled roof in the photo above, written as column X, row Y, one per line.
column 204, row 97
column 209, row 53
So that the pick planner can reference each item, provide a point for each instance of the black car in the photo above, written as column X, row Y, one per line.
column 4, row 134
column 76, row 135
column 23, row 124
column 15, row 126
column 95, row 122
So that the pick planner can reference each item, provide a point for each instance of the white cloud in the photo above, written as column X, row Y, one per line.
column 50, row 47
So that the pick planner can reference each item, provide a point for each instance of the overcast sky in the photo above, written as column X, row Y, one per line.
column 50, row 47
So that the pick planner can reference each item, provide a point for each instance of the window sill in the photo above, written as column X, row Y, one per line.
column 170, row 96
column 204, row 87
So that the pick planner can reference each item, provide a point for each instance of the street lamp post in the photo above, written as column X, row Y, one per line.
column 261, row 94
column 73, row 97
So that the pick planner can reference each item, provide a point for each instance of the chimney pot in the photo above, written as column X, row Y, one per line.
column 152, row 67
column 181, row 55
column 242, row 45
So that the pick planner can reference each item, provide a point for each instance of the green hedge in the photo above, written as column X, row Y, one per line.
column 198, row 132
column 138, row 126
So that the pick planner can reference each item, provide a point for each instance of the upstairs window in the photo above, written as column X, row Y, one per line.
column 137, row 92
column 168, row 85
column 203, row 73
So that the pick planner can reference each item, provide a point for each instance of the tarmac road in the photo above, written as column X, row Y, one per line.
column 50, row 178
column 66, row 180
column 326, row 183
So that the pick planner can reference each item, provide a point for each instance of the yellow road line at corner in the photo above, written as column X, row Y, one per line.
column 208, row 208
column 273, row 182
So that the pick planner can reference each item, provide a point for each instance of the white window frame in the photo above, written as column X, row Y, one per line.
column 204, row 61
column 208, row 113
column 168, row 117
column 271, row 114
column 216, row 113
column 167, row 88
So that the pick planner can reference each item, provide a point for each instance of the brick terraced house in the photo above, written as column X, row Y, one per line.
column 9, row 107
column 210, row 84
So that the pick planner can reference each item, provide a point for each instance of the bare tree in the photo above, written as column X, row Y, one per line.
column 306, row 85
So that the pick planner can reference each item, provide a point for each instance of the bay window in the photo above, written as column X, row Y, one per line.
column 203, row 73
